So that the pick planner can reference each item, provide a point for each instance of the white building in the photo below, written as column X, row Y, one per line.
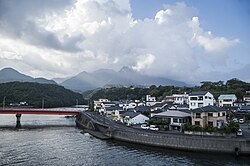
column 246, row 99
column 132, row 118
column 180, row 98
column 200, row 99
column 176, row 119
column 227, row 100
column 150, row 100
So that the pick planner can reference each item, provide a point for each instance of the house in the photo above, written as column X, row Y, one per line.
column 161, row 105
column 227, row 100
column 246, row 99
column 169, row 99
column 156, row 112
column 209, row 115
column 132, row 118
column 139, row 103
column 239, row 104
column 176, row 119
column 142, row 109
column 150, row 100
column 180, row 98
column 110, row 111
column 200, row 99
column 98, row 103
column 127, row 104
column 245, row 108
column 108, row 104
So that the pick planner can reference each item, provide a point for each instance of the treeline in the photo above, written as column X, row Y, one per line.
column 37, row 95
column 233, row 86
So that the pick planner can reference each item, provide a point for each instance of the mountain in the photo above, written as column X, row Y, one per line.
column 125, row 77
column 38, row 95
column 11, row 75
column 60, row 80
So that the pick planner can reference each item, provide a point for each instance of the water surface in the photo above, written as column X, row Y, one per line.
column 54, row 140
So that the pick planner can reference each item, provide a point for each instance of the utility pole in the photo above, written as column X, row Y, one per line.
column 43, row 103
column 76, row 102
column 4, row 102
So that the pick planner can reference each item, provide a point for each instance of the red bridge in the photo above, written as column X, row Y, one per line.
column 41, row 111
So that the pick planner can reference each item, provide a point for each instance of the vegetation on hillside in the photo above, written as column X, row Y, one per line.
column 233, row 86
column 37, row 95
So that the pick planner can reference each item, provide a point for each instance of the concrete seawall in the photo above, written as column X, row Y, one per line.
column 185, row 142
column 164, row 139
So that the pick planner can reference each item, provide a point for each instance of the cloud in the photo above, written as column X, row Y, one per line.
column 215, row 44
column 55, row 38
column 144, row 62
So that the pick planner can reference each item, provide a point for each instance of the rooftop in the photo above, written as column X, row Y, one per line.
column 227, row 96
column 197, row 93
column 173, row 114
column 131, row 114
column 208, row 108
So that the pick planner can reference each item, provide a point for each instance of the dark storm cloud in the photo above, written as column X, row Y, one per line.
column 16, row 21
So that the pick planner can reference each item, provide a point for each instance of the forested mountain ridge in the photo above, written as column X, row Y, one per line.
column 233, row 86
column 12, row 75
column 37, row 95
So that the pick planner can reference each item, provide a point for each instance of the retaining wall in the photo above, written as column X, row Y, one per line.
column 169, row 140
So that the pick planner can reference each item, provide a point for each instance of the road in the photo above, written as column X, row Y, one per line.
column 246, row 130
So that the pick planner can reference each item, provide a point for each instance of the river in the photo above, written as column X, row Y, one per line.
column 54, row 140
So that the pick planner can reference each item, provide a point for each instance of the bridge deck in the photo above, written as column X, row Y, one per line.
column 41, row 111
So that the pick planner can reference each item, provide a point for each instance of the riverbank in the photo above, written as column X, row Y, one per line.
column 185, row 142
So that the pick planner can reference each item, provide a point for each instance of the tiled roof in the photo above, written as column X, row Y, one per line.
column 227, row 96
column 113, row 108
column 131, row 114
column 209, row 108
column 173, row 114
column 142, row 108
column 197, row 93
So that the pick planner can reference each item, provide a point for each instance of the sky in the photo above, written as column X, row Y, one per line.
column 189, row 40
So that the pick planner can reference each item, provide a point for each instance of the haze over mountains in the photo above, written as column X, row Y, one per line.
column 97, row 79
column 125, row 77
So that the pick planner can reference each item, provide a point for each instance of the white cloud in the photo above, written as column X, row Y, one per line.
column 144, row 62
column 215, row 44
column 92, row 34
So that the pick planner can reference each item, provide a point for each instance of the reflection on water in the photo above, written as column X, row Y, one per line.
column 53, row 140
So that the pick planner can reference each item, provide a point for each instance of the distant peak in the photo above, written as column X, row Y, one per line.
column 104, row 71
column 126, row 69
column 8, row 69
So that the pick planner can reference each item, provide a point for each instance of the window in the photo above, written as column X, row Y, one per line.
column 223, row 114
column 227, row 100
column 218, row 114
column 210, row 123
column 193, row 98
column 200, row 104
column 197, row 122
column 193, row 104
column 175, row 120
column 198, row 115
column 200, row 98
column 210, row 114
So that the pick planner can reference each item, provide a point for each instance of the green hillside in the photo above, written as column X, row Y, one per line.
column 36, row 95
column 233, row 86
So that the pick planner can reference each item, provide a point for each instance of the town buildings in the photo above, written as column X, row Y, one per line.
column 227, row 100
column 197, row 108
column 209, row 116
column 200, row 99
